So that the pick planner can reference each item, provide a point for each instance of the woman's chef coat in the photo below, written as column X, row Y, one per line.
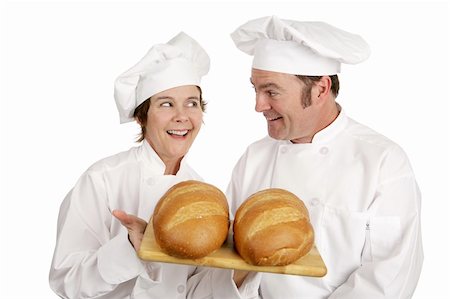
column 364, row 205
column 93, row 257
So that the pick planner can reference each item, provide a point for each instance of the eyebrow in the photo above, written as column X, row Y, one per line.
column 266, row 85
column 164, row 98
column 193, row 98
column 171, row 98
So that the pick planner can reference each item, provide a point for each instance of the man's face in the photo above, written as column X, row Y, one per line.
column 279, row 98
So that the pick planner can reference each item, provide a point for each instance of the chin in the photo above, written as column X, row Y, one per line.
column 180, row 154
column 276, row 136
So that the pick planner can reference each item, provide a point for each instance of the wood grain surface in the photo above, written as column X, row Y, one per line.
column 226, row 257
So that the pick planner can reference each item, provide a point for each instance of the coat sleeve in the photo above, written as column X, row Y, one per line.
column 88, row 261
column 392, row 257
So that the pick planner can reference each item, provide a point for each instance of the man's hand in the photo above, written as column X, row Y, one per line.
column 135, row 226
column 239, row 277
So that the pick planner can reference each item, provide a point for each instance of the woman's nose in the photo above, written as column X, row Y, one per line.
column 181, row 115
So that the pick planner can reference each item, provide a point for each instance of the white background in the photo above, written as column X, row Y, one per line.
column 59, row 61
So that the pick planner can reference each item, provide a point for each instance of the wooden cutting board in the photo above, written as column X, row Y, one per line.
column 226, row 257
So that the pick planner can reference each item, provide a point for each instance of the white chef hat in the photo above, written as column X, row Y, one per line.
column 181, row 61
column 299, row 48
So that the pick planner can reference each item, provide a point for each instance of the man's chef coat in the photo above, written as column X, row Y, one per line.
column 364, row 205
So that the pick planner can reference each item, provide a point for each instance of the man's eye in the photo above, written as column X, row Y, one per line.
column 272, row 93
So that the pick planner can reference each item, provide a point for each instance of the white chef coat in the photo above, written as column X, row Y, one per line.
column 364, row 205
column 93, row 257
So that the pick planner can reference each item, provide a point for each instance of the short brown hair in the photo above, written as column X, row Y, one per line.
column 309, row 80
column 141, row 112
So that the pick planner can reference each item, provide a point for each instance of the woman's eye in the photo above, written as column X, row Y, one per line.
column 193, row 104
column 166, row 104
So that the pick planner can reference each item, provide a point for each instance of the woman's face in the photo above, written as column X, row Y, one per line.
column 173, row 121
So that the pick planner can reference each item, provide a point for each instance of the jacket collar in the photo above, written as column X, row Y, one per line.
column 151, row 159
column 326, row 134
column 153, row 162
column 332, row 129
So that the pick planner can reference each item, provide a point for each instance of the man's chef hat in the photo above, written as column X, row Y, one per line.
column 299, row 48
column 182, row 61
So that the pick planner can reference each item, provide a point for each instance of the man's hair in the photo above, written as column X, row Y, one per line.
column 141, row 114
column 310, row 80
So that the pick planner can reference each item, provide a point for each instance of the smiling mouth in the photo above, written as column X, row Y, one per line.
column 273, row 118
column 180, row 133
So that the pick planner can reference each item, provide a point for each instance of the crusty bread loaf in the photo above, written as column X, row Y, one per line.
column 191, row 220
column 272, row 228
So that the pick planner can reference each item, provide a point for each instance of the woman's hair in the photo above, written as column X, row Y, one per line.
column 141, row 114
column 309, row 80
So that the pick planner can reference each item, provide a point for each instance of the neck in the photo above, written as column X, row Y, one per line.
column 172, row 167
column 329, row 113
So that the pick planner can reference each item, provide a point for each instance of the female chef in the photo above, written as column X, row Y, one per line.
column 94, row 255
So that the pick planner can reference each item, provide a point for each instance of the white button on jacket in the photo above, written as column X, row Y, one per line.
column 315, row 201
column 324, row 150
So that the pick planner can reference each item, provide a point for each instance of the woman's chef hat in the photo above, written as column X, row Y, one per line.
column 182, row 61
column 299, row 48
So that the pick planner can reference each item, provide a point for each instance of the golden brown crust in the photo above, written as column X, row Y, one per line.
column 191, row 220
column 272, row 228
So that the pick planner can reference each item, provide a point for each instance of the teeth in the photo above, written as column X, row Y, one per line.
column 272, row 118
column 178, row 133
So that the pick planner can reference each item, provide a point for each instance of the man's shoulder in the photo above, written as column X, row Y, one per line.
column 366, row 135
column 264, row 144
column 265, row 141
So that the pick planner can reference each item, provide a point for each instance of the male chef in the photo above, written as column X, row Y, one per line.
column 358, row 185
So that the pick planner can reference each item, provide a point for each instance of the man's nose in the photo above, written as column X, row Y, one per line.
column 261, row 104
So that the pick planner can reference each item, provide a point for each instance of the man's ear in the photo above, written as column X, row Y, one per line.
column 322, row 89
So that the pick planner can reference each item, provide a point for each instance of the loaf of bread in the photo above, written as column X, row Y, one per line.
column 272, row 228
column 191, row 220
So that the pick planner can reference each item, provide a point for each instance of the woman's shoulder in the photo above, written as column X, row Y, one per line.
column 119, row 160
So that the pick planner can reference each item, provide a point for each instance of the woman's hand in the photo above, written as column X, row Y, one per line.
column 135, row 226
